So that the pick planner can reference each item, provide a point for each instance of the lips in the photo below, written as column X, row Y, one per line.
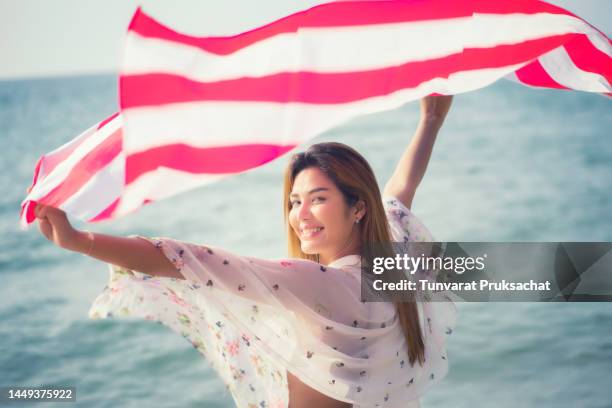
column 310, row 232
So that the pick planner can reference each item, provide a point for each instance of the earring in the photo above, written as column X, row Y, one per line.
column 357, row 221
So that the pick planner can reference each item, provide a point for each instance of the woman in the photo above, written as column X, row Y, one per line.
column 293, row 331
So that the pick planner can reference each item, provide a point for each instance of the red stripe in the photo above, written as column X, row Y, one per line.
column 535, row 75
column 51, row 161
column 325, row 15
column 107, row 120
column 325, row 88
column 338, row 14
column 85, row 169
column 27, row 209
column 107, row 212
column 202, row 160
column 36, row 173
column 589, row 58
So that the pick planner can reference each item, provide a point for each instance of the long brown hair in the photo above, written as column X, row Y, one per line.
column 353, row 176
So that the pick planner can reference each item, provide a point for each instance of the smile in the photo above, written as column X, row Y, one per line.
column 311, row 232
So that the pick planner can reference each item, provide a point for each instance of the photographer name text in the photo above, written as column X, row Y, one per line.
column 482, row 284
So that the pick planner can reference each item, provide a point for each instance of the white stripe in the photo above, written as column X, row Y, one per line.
column 159, row 184
column 99, row 192
column 208, row 124
column 561, row 68
column 59, row 174
column 212, row 124
column 343, row 49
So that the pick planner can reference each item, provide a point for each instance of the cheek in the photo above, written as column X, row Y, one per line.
column 333, row 220
column 292, row 220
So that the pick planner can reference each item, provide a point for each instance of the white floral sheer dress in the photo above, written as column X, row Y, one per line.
column 255, row 319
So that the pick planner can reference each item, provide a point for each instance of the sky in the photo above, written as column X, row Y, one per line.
column 41, row 38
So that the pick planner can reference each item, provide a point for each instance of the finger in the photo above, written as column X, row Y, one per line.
column 43, row 223
column 45, row 227
column 40, row 211
column 54, row 212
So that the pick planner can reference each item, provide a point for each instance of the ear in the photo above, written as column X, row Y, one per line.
column 360, row 209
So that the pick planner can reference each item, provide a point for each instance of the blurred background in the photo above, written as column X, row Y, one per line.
column 510, row 164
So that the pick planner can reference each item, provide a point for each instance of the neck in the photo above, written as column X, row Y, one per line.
column 352, row 247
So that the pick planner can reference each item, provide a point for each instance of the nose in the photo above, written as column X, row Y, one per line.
column 304, row 211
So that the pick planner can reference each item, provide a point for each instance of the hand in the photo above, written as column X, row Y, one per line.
column 54, row 225
column 435, row 108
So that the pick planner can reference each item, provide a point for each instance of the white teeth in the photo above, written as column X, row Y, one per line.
column 311, row 230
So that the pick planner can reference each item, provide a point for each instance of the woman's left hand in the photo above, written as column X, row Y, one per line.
column 435, row 108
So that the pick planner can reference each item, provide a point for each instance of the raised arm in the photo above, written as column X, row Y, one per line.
column 131, row 253
column 412, row 165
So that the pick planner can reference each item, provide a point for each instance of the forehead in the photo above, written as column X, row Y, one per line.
column 310, row 178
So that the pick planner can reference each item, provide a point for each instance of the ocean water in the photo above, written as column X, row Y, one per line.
column 511, row 164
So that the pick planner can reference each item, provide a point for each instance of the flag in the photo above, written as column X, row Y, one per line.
column 196, row 109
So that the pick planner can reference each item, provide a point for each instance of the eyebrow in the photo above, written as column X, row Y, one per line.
column 314, row 190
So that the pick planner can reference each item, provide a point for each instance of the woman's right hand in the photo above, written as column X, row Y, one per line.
column 54, row 225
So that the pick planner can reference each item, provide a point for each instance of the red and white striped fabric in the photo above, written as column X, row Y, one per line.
column 84, row 177
column 195, row 110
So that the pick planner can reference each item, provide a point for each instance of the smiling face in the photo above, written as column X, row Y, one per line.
column 321, row 218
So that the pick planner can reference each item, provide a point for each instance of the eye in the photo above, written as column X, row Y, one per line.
column 294, row 202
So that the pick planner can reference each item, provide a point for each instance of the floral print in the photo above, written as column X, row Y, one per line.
column 253, row 321
column 171, row 302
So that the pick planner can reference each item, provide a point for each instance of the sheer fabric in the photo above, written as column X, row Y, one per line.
column 255, row 319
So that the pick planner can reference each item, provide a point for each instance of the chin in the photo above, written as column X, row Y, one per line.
column 310, row 249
